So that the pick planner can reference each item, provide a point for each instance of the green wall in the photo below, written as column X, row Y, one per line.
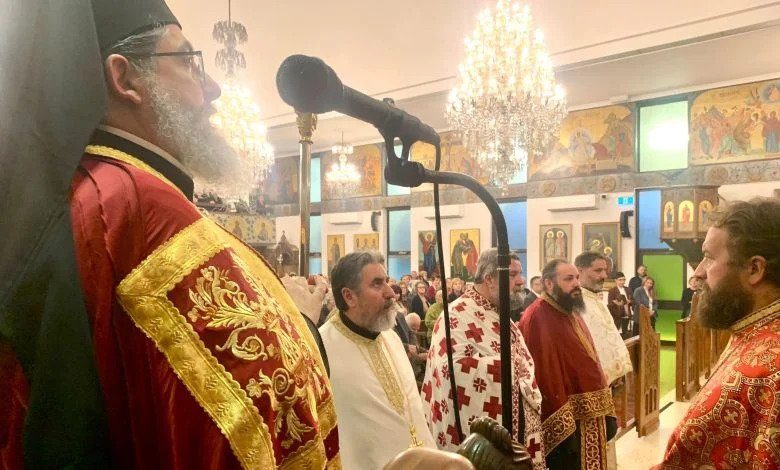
column 667, row 271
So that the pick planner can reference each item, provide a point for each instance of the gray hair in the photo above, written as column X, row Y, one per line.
column 587, row 258
column 138, row 46
column 348, row 272
column 488, row 264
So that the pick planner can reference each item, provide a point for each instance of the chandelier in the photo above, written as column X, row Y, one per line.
column 342, row 177
column 506, row 103
column 236, row 116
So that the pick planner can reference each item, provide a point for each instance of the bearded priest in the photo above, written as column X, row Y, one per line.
column 577, row 408
column 378, row 405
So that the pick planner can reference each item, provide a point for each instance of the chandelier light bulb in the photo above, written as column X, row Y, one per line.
column 506, row 103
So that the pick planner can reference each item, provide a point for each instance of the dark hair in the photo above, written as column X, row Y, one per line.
column 753, row 229
column 138, row 46
column 586, row 259
column 348, row 273
column 396, row 288
column 488, row 264
column 618, row 275
column 531, row 281
column 550, row 269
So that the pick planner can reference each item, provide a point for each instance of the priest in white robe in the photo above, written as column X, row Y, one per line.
column 474, row 325
column 610, row 347
column 377, row 403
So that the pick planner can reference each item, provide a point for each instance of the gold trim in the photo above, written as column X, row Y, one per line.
column 592, row 404
column 557, row 427
column 110, row 152
column 770, row 310
column 143, row 294
column 593, row 444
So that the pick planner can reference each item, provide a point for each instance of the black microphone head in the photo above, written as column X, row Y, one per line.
column 309, row 85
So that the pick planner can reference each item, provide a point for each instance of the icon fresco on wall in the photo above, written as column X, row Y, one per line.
column 685, row 217
column 454, row 157
column 705, row 208
column 669, row 216
column 426, row 249
column 735, row 124
column 365, row 241
column 281, row 185
column 368, row 162
column 464, row 244
column 555, row 242
column 590, row 142
column 603, row 238
column 251, row 228
column 335, row 249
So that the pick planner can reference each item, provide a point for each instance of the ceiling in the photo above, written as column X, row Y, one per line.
column 409, row 50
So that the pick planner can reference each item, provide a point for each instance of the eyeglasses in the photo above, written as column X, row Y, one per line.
column 192, row 59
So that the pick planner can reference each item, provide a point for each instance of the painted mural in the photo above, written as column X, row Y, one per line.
column 281, row 185
column 590, row 142
column 454, row 157
column 368, row 161
column 365, row 241
column 335, row 249
column 464, row 244
column 603, row 238
column 251, row 228
column 734, row 124
column 555, row 242
column 426, row 254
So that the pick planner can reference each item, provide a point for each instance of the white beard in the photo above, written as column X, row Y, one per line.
column 189, row 136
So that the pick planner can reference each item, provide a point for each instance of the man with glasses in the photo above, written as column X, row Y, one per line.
column 196, row 355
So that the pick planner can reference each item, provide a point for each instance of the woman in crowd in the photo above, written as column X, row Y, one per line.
column 619, row 303
column 457, row 289
column 433, row 314
column 404, row 294
column 419, row 304
column 645, row 295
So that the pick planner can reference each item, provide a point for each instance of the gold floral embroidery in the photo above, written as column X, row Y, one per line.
column 143, row 294
column 593, row 447
column 557, row 427
column 579, row 407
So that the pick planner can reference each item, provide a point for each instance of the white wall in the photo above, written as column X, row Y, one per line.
column 745, row 191
column 474, row 216
column 607, row 211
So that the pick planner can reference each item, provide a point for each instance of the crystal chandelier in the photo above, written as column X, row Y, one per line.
column 236, row 116
column 342, row 177
column 506, row 103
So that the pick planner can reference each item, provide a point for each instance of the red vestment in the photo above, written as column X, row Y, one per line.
column 734, row 421
column 574, row 389
column 203, row 359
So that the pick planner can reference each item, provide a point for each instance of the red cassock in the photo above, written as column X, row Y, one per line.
column 203, row 359
column 734, row 421
column 574, row 389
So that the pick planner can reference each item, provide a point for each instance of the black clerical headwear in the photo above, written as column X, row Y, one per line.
column 118, row 19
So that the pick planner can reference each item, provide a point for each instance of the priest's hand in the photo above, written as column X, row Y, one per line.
column 307, row 298
column 424, row 458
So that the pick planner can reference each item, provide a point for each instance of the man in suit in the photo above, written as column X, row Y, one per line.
column 619, row 301
column 636, row 281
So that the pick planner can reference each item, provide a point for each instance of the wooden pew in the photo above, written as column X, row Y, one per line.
column 648, row 376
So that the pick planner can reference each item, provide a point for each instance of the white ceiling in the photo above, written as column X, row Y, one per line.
column 409, row 49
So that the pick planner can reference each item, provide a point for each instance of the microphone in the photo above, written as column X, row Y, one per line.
column 310, row 86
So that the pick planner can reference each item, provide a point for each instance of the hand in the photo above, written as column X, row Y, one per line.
column 307, row 298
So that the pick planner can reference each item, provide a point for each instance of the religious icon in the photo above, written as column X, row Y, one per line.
column 685, row 222
column 427, row 252
column 669, row 217
column 335, row 250
column 603, row 238
column 465, row 253
column 366, row 241
column 555, row 242
column 705, row 208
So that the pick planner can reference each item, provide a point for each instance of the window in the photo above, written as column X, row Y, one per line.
column 663, row 136
column 399, row 242
column 516, row 221
column 393, row 190
column 314, row 175
column 649, row 220
column 315, row 244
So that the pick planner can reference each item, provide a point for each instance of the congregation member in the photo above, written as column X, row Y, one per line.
column 636, row 281
column 619, row 303
column 433, row 313
column 475, row 344
column 456, row 289
column 417, row 353
column 577, row 408
column 435, row 287
column 687, row 297
column 173, row 310
column 610, row 347
column 377, row 401
column 534, row 291
column 644, row 295
column 419, row 303
column 733, row 421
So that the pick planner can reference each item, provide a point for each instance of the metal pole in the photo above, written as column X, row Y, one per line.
column 307, row 123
